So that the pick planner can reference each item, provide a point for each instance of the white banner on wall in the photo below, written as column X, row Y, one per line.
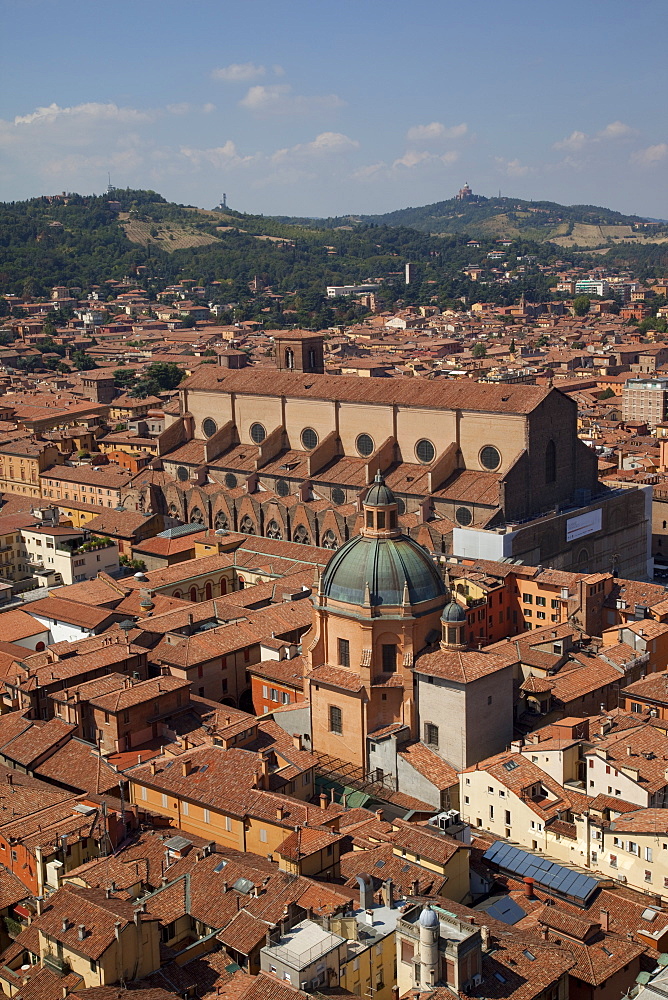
column 583, row 524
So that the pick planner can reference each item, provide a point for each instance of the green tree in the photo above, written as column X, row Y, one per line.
column 479, row 351
column 512, row 346
column 607, row 394
column 581, row 304
column 188, row 322
column 124, row 377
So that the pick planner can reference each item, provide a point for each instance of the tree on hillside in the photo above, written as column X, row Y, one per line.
column 479, row 351
column 581, row 304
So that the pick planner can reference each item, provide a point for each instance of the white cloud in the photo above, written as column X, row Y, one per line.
column 512, row 168
column 278, row 99
column 616, row 130
column 578, row 140
column 436, row 130
column 217, row 156
column 208, row 108
column 450, row 157
column 91, row 112
column 238, row 72
column 325, row 144
column 574, row 141
column 411, row 158
column 650, row 155
column 369, row 171
column 179, row 109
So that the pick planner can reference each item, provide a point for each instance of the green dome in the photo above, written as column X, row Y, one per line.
column 385, row 564
column 379, row 494
column 453, row 612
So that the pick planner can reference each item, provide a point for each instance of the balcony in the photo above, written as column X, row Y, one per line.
column 56, row 963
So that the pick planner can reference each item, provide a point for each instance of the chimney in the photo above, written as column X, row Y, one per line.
column 38, row 900
column 379, row 815
column 484, row 937
column 154, row 767
column 415, row 887
column 543, row 932
column 280, row 812
column 82, row 931
column 66, row 924
column 297, row 741
column 323, row 800
column 528, row 888
column 629, row 751
column 137, row 916
column 605, row 920
column 117, row 929
column 387, row 893
column 186, row 768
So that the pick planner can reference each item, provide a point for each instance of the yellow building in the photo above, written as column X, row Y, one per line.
column 21, row 463
column 103, row 939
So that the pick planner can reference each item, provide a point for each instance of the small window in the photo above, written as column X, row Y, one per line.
column 389, row 657
column 431, row 734
column 257, row 433
column 463, row 516
column 335, row 719
column 490, row 458
column 344, row 652
column 365, row 445
column 425, row 451
column 309, row 438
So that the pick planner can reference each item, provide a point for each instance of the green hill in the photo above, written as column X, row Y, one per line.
column 276, row 270
column 513, row 218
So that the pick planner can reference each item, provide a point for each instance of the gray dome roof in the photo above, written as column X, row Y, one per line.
column 379, row 495
column 428, row 917
column 453, row 612
column 385, row 564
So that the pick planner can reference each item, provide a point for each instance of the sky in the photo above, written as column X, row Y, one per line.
column 302, row 107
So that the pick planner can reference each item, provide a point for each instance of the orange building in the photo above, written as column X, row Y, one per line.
column 378, row 606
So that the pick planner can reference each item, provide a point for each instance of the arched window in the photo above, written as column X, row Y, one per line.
column 208, row 591
column 583, row 560
column 289, row 358
column 329, row 540
column 550, row 462
column 242, row 582
column 274, row 530
column 39, row 647
column 221, row 521
column 223, row 586
column 301, row 535
column 196, row 516
column 247, row 526
column 193, row 594
column 177, row 594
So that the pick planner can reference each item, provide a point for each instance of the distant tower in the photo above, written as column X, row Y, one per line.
column 410, row 273
column 224, row 200
column 110, row 186
column 429, row 934
column 299, row 351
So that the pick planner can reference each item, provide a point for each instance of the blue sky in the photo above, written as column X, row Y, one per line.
column 305, row 107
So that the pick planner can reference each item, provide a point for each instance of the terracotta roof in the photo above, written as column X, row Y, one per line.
column 462, row 667
column 462, row 394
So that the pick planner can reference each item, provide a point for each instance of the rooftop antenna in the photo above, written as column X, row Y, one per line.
column 110, row 186
column 223, row 200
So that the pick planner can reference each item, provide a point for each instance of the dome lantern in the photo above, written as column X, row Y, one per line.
column 380, row 510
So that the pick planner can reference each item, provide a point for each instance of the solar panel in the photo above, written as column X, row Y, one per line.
column 219, row 867
column 506, row 910
column 553, row 876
